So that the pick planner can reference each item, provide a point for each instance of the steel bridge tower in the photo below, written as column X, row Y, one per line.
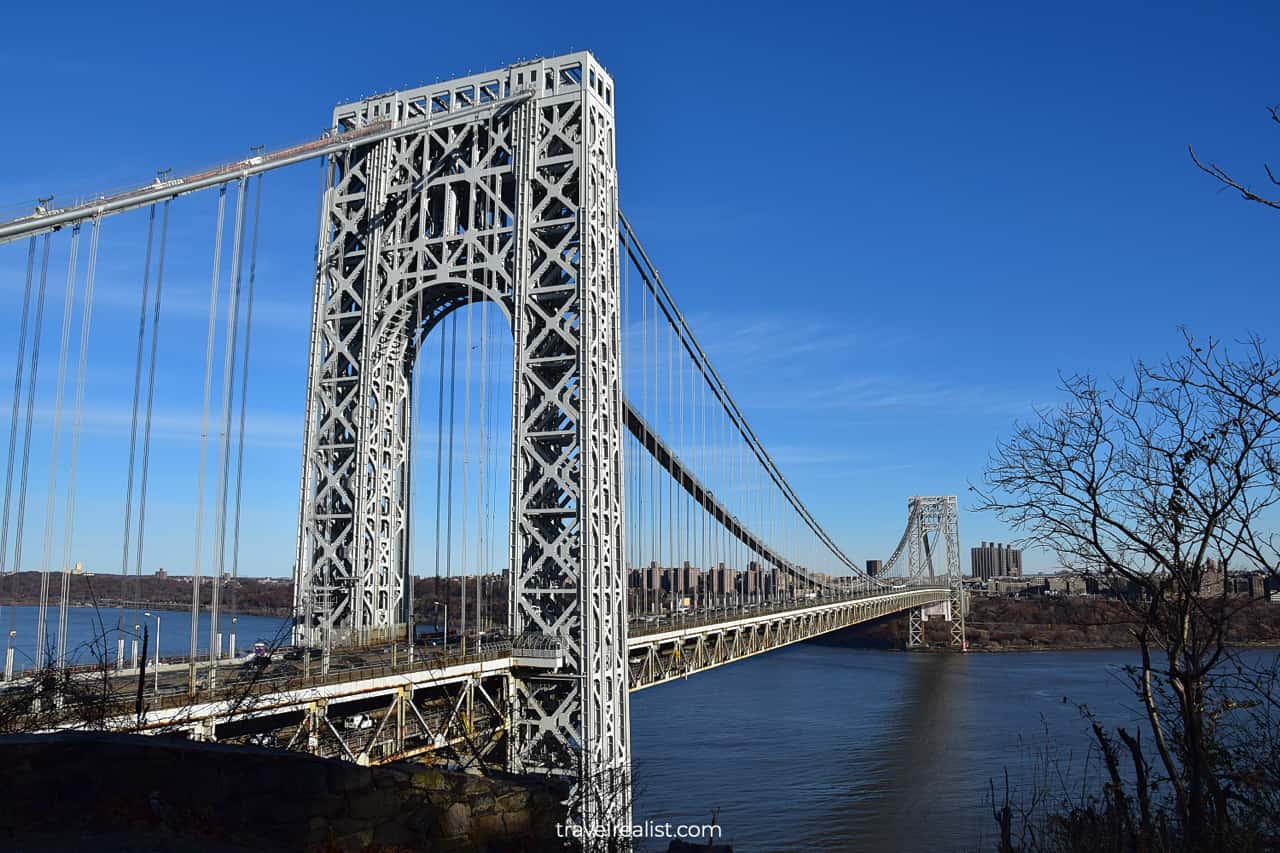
column 931, row 520
column 503, row 188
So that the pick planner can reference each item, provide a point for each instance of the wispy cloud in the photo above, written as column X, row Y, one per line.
column 908, row 393
column 262, row 428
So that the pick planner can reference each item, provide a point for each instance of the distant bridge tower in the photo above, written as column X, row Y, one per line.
column 502, row 188
column 934, row 521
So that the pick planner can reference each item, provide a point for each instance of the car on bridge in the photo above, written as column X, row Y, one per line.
column 261, row 656
column 357, row 722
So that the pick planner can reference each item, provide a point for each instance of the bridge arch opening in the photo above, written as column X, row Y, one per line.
column 456, row 347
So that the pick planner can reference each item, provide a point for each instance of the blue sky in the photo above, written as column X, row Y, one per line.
column 892, row 225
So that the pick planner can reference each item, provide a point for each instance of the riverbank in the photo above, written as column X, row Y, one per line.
column 1054, row 623
column 249, row 596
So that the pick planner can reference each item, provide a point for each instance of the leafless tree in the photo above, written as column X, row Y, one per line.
column 1250, row 377
column 1154, row 484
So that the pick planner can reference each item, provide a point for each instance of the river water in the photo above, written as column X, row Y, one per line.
column 811, row 747
column 822, row 748
column 87, row 627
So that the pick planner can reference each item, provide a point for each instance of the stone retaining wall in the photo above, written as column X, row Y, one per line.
column 104, row 792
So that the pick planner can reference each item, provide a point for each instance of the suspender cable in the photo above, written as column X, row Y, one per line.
column 448, row 540
column 440, row 474
column 229, row 342
column 309, row 590
column 146, row 424
column 69, row 522
column 671, row 482
column 133, row 422
column 480, row 466
column 466, row 462
column 628, row 495
column 19, row 363
column 709, row 534
column 655, row 496
column 244, row 398
column 646, row 496
column 488, row 467
column 32, row 376
column 682, row 518
column 415, row 423
column 55, row 435
column 486, row 472
column 492, row 468
column 204, row 434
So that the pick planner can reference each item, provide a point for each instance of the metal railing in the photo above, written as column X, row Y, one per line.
column 231, row 685
column 258, row 687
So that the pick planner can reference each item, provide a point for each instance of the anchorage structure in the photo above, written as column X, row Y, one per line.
column 507, row 192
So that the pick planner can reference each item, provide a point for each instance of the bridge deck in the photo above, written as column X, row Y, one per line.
column 451, row 703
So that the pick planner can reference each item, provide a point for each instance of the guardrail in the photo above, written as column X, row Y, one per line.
column 254, row 687
column 232, row 687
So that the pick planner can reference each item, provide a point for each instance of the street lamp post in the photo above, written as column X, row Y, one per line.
column 445, row 627
column 157, row 618
column 8, row 658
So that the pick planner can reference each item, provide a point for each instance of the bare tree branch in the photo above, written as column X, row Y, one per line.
column 1224, row 177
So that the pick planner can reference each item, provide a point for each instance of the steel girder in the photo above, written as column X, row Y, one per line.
column 516, row 204
column 668, row 655
column 461, row 722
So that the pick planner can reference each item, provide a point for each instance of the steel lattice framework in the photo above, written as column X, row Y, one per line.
column 507, row 193
column 930, row 519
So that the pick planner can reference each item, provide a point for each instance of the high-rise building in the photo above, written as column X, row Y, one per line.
column 874, row 567
column 995, row 560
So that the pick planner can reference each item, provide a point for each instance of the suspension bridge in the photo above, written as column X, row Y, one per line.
column 499, row 381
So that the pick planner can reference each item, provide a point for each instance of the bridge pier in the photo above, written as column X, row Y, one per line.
column 947, row 610
column 915, row 627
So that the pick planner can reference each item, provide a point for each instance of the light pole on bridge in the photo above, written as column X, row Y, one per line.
column 157, row 618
